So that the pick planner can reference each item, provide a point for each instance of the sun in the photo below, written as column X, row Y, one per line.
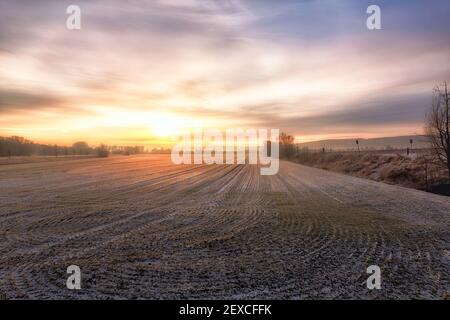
column 162, row 129
column 171, row 126
column 164, row 125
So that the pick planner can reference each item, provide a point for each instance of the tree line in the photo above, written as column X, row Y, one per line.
column 20, row 146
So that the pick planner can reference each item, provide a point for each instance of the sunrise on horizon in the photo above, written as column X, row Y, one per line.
column 137, row 72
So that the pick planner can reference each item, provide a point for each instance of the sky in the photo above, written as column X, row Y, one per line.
column 140, row 71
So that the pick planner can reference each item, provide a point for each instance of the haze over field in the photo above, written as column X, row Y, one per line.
column 139, row 71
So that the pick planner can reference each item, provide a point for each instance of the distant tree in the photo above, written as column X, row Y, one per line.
column 16, row 146
column 287, row 149
column 102, row 151
column 437, row 125
column 81, row 147
column 286, row 139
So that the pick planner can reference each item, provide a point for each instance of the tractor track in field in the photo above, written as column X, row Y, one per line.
column 140, row 227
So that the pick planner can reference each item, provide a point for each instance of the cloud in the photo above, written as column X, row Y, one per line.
column 392, row 112
column 302, row 66
column 11, row 100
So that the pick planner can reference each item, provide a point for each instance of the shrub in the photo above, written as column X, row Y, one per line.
column 102, row 151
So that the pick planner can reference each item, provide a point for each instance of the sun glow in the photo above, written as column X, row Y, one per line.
column 167, row 125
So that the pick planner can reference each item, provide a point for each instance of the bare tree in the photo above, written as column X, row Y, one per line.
column 286, row 138
column 437, row 126
column 287, row 145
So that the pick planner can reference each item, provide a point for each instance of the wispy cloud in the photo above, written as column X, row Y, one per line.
column 307, row 67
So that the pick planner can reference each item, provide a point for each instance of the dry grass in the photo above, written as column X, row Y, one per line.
column 392, row 168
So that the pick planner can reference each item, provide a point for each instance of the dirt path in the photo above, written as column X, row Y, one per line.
column 140, row 227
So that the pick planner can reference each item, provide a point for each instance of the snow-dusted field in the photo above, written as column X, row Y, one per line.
column 140, row 227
